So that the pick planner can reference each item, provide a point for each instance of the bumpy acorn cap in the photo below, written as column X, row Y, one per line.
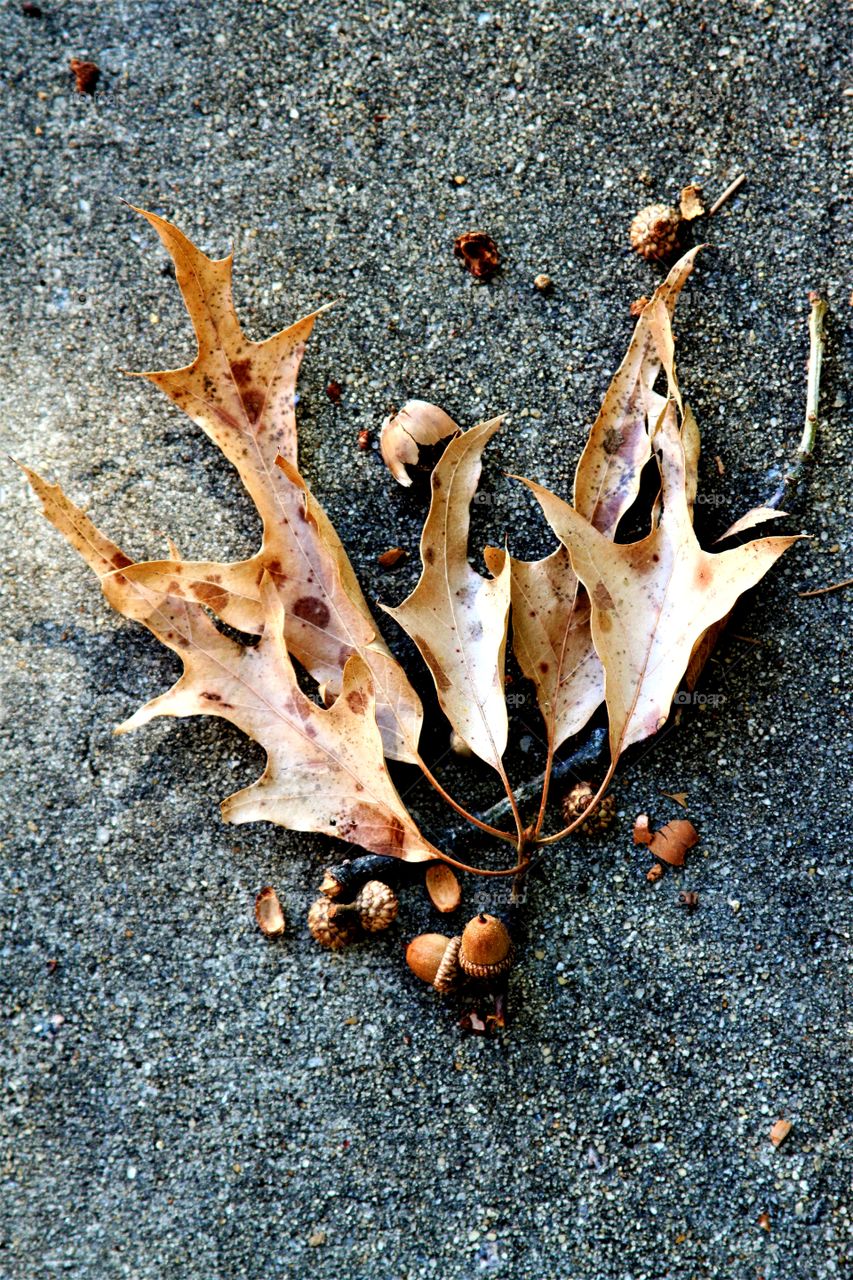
column 486, row 950
column 425, row 953
column 330, row 933
column 377, row 906
column 447, row 974
column 576, row 800
column 654, row 231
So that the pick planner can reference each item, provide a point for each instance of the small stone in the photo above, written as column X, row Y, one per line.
column 316, row 1239
column 543, row 283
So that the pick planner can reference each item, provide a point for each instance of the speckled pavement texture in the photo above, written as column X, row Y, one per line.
column 184, row 1099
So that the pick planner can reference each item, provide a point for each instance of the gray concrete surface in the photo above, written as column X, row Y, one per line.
column 183, row 1099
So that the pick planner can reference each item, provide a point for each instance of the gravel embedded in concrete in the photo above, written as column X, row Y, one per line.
column 184, row 1098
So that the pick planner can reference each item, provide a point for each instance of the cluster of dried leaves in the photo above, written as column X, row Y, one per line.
column 594, row 621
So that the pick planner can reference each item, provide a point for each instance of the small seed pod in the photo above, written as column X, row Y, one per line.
column 435, row 959
column 579, row 798
column 330, row 933
column 486, row 950
column 654, row 231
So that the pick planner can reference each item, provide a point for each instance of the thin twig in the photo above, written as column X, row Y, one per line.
column 727, row 194
column 817, row 340
column 822, row 591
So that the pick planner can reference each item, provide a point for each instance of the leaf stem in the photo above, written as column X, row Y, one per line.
column 727, row 194
column 463, row 813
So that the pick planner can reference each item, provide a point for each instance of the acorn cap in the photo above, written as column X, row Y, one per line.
column 425, row 953
column 448, row 972
column 654, row 231
column 329, row 932
column 486, row 950
column 443, row 888
column 377, row 906
column 268, row 913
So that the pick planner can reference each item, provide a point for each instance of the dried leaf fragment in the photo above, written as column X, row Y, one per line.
column 86, row 75
column 478, row 253
column 690, row 202
column 268, row 913
column 672, row 841
column 642, row 829
column 387, row 559
column 780, row 1131
column 680, row 797
column 418, row 424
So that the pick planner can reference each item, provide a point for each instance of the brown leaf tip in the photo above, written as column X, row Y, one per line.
column 478, row 253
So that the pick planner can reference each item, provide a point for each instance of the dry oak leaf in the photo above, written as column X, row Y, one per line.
column 403, row 434
column 242, row 395
column 652, row 600
column 457, row 619
column 325, row 769
column 673, row 840
column 550, row 611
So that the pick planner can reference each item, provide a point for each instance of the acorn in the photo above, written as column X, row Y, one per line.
column 374, row 907
column 654, row 231
column 435, row 959
column 330, row 933
column 578, row 799
column 486, row 950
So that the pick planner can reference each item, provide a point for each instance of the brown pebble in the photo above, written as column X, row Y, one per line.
column 333, row 391
column 543, row 283
column 364, row 439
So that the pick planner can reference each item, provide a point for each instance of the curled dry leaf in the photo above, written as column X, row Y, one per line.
column 457, row 619
column 268, row 913
column 242, row 395
column 550, row 610
column 672, row 841
column 325, row 769
column 780, row 1131
column 642, row 829
column 443, row 887
column 417, row 425
column 478, row 253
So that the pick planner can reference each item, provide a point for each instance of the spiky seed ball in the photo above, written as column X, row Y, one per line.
column 578, row 799
column 330, row 933
column 654, row 231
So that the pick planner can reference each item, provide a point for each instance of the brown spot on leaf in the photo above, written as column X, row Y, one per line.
column 433, row 663
column 120, row 560
column 212, row 697
column 253, row 403
column 313, row 611
column 357, row 701
column 242, row 371
column 429, row 555
column 602, row 597
column 612, row 440
column 214, row 597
